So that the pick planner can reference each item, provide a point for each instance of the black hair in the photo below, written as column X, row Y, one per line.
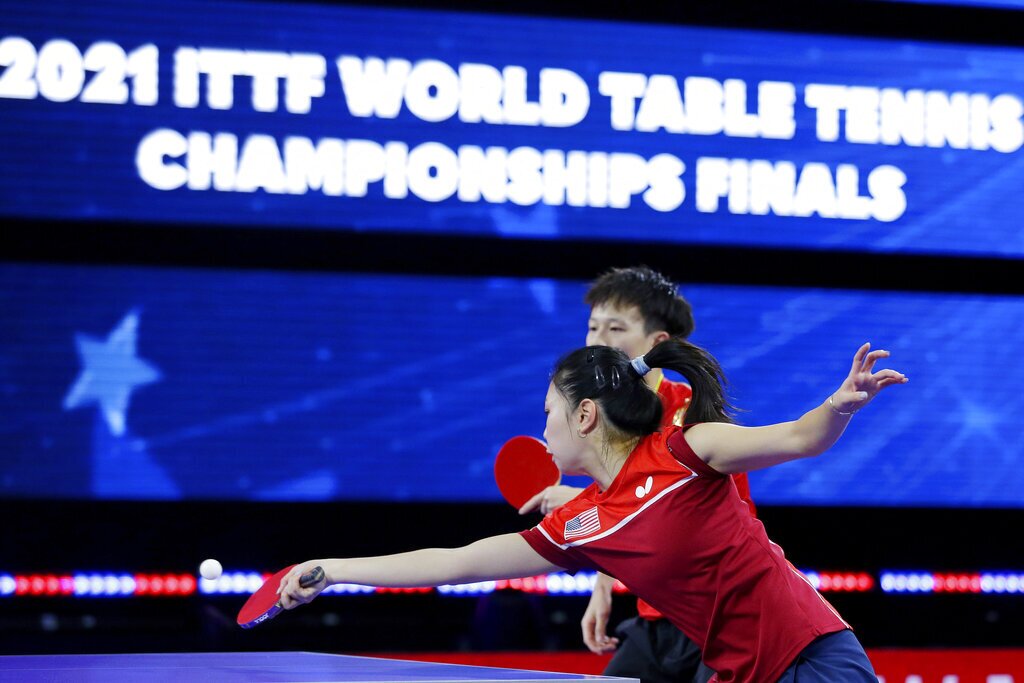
column 657, row 298
column 606, row 376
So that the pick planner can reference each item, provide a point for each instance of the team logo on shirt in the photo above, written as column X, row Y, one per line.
column 642, row 491
column 582, row 524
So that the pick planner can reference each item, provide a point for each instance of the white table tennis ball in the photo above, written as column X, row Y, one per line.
column 210, row 569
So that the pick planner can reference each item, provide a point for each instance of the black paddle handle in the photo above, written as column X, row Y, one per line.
column 312, row 577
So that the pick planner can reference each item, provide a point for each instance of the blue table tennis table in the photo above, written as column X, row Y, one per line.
column 279, row 667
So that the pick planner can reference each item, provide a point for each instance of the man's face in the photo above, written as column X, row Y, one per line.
column 621, row 328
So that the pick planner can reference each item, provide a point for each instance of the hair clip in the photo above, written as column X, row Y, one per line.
column 599, row 379
column 590, row 355
column 616, row 379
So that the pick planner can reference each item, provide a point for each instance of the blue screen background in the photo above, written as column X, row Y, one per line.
column 285, row 386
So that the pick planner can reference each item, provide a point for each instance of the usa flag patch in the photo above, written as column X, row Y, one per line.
column 582, row 524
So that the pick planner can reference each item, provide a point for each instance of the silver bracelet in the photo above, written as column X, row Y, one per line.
column 836, row 410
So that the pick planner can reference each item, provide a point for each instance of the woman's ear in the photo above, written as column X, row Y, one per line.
column 586, row 417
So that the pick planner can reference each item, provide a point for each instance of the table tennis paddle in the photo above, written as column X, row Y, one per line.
column 523, row 468
column 264, row 604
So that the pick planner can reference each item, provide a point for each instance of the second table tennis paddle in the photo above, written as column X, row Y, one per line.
column 523, row 468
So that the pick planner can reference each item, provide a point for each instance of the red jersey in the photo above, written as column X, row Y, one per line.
column 675, row 398
column 677, row 534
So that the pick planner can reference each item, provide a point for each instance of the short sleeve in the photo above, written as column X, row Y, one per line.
column 681, row 451
column 551, row 552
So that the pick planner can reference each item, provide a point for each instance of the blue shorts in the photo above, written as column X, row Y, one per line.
column 833, row 658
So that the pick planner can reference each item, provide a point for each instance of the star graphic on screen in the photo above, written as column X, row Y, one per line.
column 110, row 372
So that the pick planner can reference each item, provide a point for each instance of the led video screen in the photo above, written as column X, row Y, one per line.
column 355, row 118
column 171, row 383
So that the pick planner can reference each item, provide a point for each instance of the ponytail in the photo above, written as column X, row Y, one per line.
column 702, row 371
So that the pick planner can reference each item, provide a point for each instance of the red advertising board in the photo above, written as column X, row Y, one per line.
column 891, row 665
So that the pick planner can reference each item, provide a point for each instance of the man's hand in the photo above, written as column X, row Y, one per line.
column 550, row 498
column 595, row 619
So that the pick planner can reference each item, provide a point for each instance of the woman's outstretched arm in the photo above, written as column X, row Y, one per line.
column 730, row 448
column 497, row 557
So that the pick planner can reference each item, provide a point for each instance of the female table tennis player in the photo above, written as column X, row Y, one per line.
column 663, row 517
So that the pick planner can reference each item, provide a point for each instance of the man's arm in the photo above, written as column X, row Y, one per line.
column 595, row 619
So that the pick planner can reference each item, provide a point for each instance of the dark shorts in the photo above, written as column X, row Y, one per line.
column 832, row 658
column 656, row 652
